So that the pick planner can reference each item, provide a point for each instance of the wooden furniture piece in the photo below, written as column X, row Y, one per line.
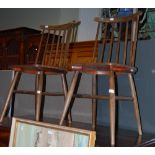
column 79, row 52
column 52, row 52
column 28, row 133
column 20, row 45
column 13, row 45
column 116, row 57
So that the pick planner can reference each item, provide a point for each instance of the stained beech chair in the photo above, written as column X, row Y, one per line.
column 116, row 57
column 52, row 59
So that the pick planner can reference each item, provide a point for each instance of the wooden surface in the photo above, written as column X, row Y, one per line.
column 13, row 45
column 124, row 138
column 81, row 52
column 4, row 136
column 20, row 45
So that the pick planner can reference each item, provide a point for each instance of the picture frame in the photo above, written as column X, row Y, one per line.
column 28, row 133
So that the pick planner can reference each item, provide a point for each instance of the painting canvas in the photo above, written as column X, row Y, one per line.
column 27, row 133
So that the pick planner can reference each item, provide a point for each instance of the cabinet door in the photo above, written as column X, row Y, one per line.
column 82, row 52
column 12, row 51
column 2, row 54
column 31, row 48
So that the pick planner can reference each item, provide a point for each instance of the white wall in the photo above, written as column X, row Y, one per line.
column 33, row 18
column 53, row 105
column 87, row 28
column 68, row 14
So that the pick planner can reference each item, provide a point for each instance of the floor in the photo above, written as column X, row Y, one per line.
column 124, row 138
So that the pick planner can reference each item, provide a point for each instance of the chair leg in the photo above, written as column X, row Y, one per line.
column 65, row 89
column 10, row 92
column 13, row 96
column 69, row 96
column 139, row 140
column 38, row 96
column 94, row 104
column 135, row 102
column 112, row 107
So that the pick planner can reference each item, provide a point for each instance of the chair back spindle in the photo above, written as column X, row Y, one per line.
column 54, row 44
column 118, row 39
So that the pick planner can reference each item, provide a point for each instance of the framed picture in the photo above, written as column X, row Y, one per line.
column 28, row 133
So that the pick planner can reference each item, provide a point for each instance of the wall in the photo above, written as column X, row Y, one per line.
column 145, row 83
column 25, row 104
column 87, row 29
column 33, row 18
column 68, row 14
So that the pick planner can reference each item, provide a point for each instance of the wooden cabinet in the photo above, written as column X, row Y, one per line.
column 19, row 46
column 81, row 52
column 13, row 45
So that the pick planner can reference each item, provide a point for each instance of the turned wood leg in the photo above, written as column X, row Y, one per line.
column 94, row 104
column 38, row 95
column 10, row 92
column 135, row 103
column 112, row 107
column 69, row 97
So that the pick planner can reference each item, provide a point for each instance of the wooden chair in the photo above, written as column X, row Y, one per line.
column 116, row 57
column 52, row 59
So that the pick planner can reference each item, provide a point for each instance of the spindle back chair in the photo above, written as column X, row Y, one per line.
column 52, row 58
column 113, row 55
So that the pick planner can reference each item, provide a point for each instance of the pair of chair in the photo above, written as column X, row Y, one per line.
column 118, row 38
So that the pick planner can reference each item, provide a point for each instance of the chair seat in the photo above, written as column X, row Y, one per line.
column 34, row 69
column 100, row 68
